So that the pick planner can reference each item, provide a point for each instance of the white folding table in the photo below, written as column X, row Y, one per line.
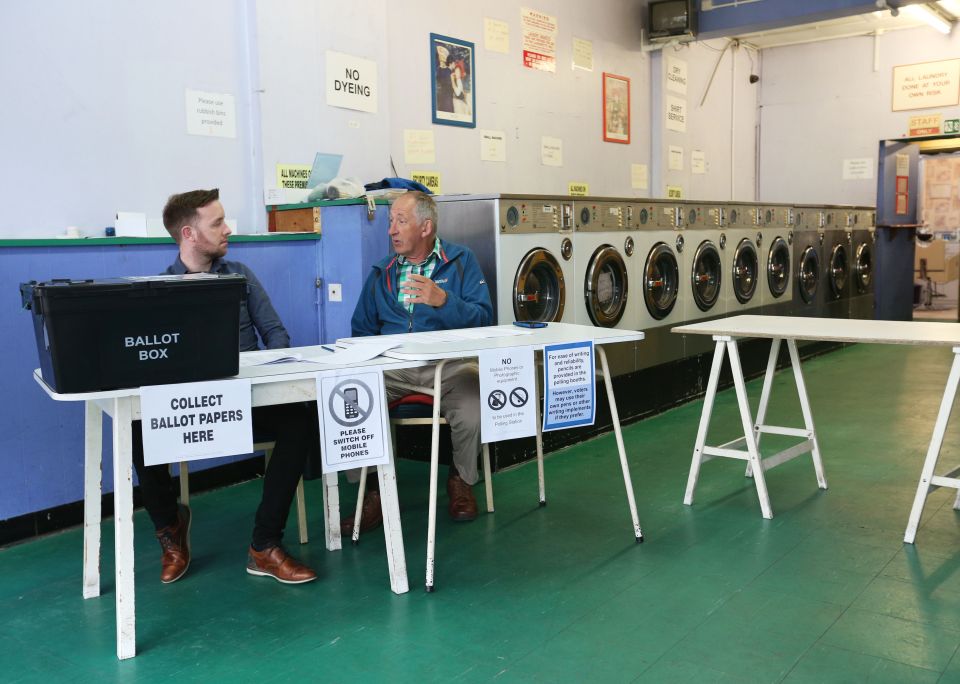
column 420, row 347
column 726, row 332
column 271, row 384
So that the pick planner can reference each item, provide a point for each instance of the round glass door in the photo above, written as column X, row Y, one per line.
column 746, row 265
column 705, row 275
column 838, row 270
column 808, row 274
column 538, row 288
column 863, row 268
column 661, row 280
column 605, row 287
column 778, row 267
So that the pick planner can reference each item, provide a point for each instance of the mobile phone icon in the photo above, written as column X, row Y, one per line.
column 351, row 406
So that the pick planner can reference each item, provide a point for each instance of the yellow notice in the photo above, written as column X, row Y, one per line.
column 578, row 189
column 926, row 124
column 294, row 176
column 674, row 192
column 429, row 178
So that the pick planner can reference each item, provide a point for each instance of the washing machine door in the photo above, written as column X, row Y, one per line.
column 539, row 292
column 605, row 287
column 778, row 267
column 863, row 268
column 705, row 275
column 837, row 271
column 746, row 267
column 661, row 281
column 808, row 274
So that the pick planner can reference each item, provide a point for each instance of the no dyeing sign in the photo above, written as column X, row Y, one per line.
column 195, row 420
column 353, row 423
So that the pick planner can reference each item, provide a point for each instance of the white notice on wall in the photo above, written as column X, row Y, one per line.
column 639, row 177
column 675, row 158
column 351, row 82
column 569, row 385
column 676, row 113
column 194, row 420
column 922, row 86
column 903, row 164
column 131, row 224
column 698, row 162
column 676, row 75
column 211, row 114
column 353, row 422
column 582, row 54
column 418, row 147
column 496, row 35
column 507, row 400
column 858, row 169
column 551, row 151
column 493, row 146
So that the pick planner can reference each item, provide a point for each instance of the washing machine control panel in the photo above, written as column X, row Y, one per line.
column 536, row 217
column 717, row 216
column 601, row 216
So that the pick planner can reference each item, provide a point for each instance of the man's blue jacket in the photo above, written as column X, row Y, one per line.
column 468, row 300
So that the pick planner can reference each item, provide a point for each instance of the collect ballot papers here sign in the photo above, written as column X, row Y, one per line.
column 353, row 422
column 569, row 385
column 195, row 420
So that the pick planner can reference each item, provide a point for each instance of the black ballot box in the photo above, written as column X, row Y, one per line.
column 127, row 332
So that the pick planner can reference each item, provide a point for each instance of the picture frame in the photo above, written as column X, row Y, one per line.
column 616, row 108
column 453, row 81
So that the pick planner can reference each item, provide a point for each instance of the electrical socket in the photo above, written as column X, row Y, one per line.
column 335, row 292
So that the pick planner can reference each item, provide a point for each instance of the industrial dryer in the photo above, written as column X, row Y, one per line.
column 741, row 258
column 774, row 244
column 838, row 224
column 604, row 255
column 704, row 279
column 861, row 271
column 808, row 262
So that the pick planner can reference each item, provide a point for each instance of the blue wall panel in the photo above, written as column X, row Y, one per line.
column 730, row 19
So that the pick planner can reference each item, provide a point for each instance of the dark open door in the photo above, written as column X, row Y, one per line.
column 897, row 192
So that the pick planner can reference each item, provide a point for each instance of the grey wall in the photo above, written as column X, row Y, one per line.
column 823, row 102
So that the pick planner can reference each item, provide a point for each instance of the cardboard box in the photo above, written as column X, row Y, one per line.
column 127, row 332
column 293, row 219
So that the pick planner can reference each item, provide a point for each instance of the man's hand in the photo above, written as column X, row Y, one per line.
column 421, row 290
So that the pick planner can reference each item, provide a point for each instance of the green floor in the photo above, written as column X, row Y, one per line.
column 824, row 592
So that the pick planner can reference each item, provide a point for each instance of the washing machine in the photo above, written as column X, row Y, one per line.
column 808, row 240
column 741, row 259
column 775, row 224
column 535, row 261
column 837, row 254
column 662, row 260
column 705, row 275
column 604, row 252
column 861, row 269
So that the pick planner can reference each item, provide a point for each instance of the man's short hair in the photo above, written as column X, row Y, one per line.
column 424, row 207
column 182, row 209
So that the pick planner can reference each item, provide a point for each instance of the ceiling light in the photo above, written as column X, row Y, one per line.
column 930, row 16
column 952, row 6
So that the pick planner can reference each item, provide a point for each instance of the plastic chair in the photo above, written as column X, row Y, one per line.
column 415, row 408
column 266, row 446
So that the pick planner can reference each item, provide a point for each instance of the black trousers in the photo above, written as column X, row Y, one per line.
column 295, row 431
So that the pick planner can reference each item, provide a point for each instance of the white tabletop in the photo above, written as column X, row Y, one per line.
column 258, row 375
column 420, row 346
column 829, row 329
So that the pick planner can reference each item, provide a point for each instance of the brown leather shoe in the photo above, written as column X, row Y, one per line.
column 175, row 542
column 278, row 564
column 371, row 515
column 462, row 507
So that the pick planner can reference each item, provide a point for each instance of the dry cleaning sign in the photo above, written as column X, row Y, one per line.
column 353, row 423
column 195, row 420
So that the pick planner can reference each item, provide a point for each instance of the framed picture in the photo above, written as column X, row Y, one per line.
column 454, row 81
column 616, row 108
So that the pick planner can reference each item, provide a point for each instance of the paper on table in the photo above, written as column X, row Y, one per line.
column 355, row 353
column 268, row 356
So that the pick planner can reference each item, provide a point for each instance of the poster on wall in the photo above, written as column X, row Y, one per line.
column 616, row 108
column 930, row 84
column 453, row 81
column 539, row 40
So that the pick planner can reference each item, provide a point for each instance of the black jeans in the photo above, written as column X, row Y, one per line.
column 295, row 431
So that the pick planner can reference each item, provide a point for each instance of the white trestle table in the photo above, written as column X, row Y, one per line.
column 727, row 331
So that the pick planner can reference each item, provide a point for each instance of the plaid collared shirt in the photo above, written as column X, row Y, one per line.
column 424, row 268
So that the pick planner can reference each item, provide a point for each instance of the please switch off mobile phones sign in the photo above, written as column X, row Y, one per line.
column 195, row 420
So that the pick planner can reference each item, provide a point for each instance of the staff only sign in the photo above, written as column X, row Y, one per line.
column 508, row 402
column 353, row 423
column 569, row 385
column 195, row 420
